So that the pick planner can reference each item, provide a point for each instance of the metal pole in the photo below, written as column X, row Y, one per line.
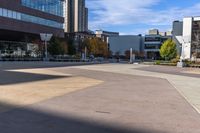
column 131, row 55
column 85, row 53
column 0, row 54
column 46, row 50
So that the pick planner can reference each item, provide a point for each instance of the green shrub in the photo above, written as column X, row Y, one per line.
column 175, row 60
column 188, row 62
column 168, row 50
column 157, row 62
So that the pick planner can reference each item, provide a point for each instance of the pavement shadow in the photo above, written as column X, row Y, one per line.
column 9, row 78
column 26, row 120
column 32, row 65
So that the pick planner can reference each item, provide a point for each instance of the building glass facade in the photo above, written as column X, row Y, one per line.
column 153, row 43
column 54, row 7
column 29, row 18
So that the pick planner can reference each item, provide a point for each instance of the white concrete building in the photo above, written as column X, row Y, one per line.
column 190, row 38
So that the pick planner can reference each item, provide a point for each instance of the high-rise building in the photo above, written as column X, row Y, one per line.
column 76, row 16
column 85, row 19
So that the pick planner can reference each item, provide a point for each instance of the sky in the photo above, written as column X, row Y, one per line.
column 132, row 17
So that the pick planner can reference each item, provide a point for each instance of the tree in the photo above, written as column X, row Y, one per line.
column 168, row 50
column 127, row 54
column 38, row 51
column 71, row 47
column 57, row 47
column 95, row 46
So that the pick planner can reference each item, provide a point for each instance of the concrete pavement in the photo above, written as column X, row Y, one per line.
column 186, row 81
column 120, row 99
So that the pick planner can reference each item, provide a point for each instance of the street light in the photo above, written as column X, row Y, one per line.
column 45, row 37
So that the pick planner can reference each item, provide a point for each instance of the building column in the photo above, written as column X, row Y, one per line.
column 187, row 37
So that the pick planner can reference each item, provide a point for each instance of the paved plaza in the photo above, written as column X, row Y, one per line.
column 38, row 97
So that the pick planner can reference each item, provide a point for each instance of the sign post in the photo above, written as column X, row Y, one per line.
column 46, row 37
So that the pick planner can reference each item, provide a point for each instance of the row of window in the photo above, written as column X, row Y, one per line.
column 29, row 18
column 155, row 39
column 152, row 46
column 50, row 6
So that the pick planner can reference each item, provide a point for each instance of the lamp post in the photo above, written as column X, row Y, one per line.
column 46, row 37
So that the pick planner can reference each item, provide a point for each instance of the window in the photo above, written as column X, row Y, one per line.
column 4, row 12
column 50, row 6
column 152, row 39
column 29, row 18
column 14, row 15
column 18, row 16
column 1, row 12
column 9, row 14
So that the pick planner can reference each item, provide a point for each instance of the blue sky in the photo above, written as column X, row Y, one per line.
column 137, row 16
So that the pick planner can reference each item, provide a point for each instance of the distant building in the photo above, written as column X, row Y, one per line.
column 163, row 33
column 153, row 32
column 169, row 33
column 190, row 37
column 120, row 44
column 79, row 36
column 177, row 30
column 76, row 16
column 104, row 35
column 153, row 42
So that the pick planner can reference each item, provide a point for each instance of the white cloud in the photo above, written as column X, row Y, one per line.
column 112, row 12
column 129, row 12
